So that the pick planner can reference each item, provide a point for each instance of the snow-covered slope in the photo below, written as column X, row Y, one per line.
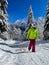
column 10, row 56
column 20, row 22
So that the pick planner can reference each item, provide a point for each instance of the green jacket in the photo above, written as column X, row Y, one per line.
column 32, row 33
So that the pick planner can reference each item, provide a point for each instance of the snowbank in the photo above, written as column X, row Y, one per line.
column 15, row 56
column 1, row 39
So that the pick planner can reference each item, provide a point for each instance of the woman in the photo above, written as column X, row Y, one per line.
column 32, row 35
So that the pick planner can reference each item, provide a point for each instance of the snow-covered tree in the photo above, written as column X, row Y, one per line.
column 30, row 18
column 40, row 26
column 46, row 26
column 14, row 32
column 3, row 15
column 3, row 18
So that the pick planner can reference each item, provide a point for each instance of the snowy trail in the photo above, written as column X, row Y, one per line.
column 10, row 56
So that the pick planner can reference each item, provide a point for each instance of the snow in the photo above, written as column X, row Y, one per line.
column 1, row 21
column 1, row 40
column 40, row 25
column 20, row 23
column 14, row 56
column 48, row 15
column 8, row 41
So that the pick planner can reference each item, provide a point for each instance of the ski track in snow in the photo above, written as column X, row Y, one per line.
column 16, row 56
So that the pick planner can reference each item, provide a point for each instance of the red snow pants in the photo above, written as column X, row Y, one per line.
column 32, row 45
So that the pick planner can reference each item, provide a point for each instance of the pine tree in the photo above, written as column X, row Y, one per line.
column 29, row 21
column 46, row 26
column 30, row 18
column 3, row 15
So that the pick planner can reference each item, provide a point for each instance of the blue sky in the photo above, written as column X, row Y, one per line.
column 18, row 9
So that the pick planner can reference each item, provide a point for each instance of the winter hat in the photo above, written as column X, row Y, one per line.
column 33, row 24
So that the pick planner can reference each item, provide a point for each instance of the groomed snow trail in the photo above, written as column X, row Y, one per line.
column 10, row 56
